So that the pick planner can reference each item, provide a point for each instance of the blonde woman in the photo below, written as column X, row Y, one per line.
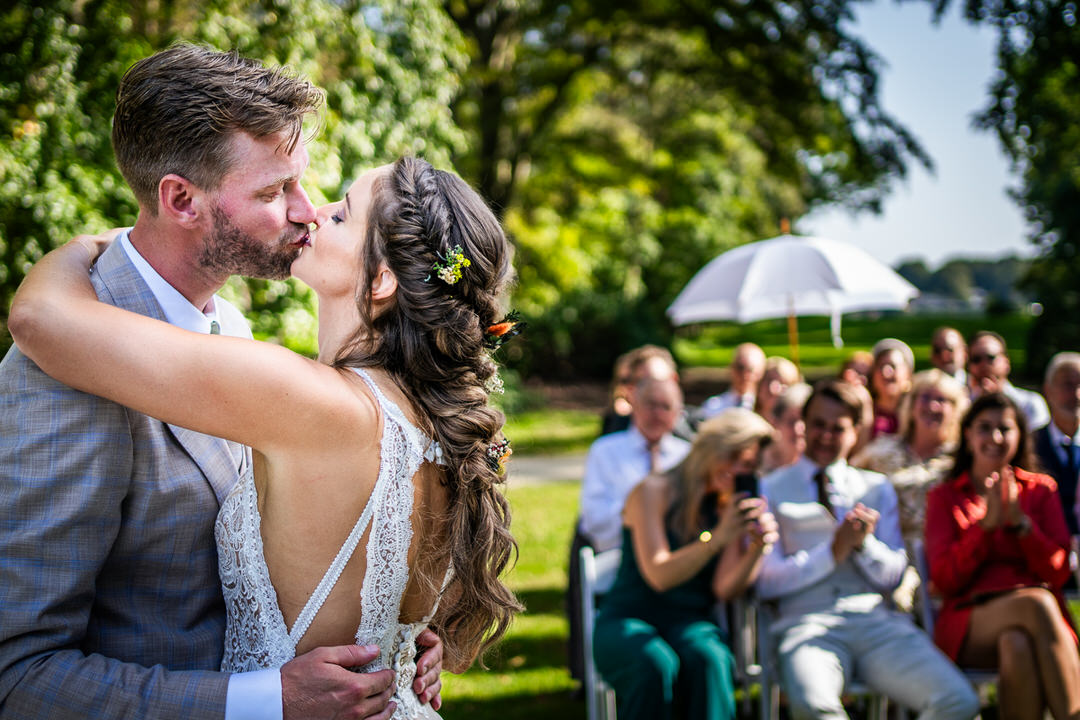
column 688, row 540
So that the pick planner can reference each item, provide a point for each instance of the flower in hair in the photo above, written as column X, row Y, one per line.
column 448, row 269
column 497, row 454
column 496, row 335
column 494, row 385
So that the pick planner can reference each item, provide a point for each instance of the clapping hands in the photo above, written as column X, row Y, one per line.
column 858, row 523
column 1002, row 498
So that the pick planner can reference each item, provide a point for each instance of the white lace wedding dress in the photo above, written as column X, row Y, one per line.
column 256, row 636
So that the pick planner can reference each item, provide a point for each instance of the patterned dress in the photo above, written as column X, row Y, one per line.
column 256, row 636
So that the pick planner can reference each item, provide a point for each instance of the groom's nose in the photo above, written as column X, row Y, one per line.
column 301, row 211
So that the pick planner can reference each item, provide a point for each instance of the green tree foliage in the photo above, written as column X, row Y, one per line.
column 627, row 143
column 959, row 277
column 1033, row 108
column 390, row 69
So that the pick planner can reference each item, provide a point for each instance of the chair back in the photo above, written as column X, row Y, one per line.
column 597, row 575
column 983, row 680
column 927, row 609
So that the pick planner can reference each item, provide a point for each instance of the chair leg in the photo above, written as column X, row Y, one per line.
column 608, row 705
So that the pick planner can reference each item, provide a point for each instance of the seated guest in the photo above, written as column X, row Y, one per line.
column 856, row 369
column 918, row 456
column 790, row 440
column 630, row 369
column 688, row 541
column 615, row 464
column 998, row 550
column 839, row 552
column 780, row 374
column 890, row 378
column 747, row 367
column 856, row 373
column 616, row 415
column 1056, row 443
column 948, row 353
column 988, row 371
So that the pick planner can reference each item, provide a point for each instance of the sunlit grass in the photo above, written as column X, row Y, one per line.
column 712, row 345
column 528, row 677
column 552, row 431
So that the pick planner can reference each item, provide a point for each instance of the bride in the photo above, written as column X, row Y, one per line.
column 371, row 508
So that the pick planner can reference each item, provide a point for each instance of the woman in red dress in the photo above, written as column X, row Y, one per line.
column 997, row 545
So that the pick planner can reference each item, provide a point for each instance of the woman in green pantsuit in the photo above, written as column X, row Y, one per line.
column 688, row 540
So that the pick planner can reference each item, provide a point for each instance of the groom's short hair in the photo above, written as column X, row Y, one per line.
column 177, row 109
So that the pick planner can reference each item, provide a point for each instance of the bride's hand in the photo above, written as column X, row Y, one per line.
column 428, row 684
column 97, row 244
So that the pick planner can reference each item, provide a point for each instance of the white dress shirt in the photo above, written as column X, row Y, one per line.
column 1030, row 403
column 1058, row 440
column 252, row 695
column 880, row 560
column 615, row 464
column 724, row 401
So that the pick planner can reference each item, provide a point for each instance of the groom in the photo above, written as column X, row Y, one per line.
column 110, row 604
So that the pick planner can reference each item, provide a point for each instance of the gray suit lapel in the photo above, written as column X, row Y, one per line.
column 118, row 282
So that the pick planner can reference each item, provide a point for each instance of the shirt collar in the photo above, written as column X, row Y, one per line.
column 638, row 440
column 833, row 471
column 178, row 309
column 1057, row 437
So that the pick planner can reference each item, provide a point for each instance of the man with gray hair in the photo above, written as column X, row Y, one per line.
column 747, row 368
column 1056, row 443
column 110, row 601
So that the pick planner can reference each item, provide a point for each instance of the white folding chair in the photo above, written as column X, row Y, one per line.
column 742, row 629
column 597, row 575
column 877, row 704
column 983, row 680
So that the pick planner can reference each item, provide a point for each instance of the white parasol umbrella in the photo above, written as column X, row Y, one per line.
column 790, row 276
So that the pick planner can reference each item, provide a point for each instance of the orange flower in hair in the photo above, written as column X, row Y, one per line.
column 496, row 335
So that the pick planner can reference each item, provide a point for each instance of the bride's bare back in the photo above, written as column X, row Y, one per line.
column 309, row 502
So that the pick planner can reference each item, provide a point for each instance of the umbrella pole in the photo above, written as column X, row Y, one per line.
column 793, row 338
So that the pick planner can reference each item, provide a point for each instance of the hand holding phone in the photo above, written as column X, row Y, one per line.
column 746, row 483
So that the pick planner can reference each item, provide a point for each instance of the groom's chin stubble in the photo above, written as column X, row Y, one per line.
column 228, row 250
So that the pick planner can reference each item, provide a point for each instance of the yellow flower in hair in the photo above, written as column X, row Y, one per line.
column 448, row 269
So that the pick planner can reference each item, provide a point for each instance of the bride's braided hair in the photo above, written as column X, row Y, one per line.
column 431, row 340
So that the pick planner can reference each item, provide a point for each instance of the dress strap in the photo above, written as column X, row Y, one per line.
column 322, row 591
column 432, row 450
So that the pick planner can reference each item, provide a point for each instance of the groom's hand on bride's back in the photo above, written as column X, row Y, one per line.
column 428, row 684
column 318, row 684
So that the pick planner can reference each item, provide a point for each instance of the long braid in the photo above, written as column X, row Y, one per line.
column 431, row 340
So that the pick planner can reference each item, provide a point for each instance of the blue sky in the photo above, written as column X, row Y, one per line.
column 934, row 81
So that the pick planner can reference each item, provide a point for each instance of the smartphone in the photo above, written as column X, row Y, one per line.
column 747, row 483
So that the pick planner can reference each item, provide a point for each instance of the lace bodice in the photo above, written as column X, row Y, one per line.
column 256, row 636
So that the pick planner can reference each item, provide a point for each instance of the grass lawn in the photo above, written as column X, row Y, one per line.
column 536, row 432
column 528, row 678
column 712, row 345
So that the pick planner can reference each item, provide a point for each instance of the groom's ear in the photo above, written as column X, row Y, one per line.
column 384, row 286
column 179, row 200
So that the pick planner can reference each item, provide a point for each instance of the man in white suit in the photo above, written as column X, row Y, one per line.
column 840, row 555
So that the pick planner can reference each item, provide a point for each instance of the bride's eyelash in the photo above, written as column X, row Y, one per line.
column 337, row 218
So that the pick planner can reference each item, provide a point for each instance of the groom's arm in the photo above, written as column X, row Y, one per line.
column 65, row 467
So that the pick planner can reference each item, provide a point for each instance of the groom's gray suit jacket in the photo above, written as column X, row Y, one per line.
column 110, row 604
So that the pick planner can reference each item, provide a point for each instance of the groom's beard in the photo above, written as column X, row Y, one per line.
column 228, row 250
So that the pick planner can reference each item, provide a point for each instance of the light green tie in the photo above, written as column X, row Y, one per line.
column 215, row 329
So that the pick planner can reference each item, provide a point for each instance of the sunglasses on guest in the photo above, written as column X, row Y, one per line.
column 987, row 357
